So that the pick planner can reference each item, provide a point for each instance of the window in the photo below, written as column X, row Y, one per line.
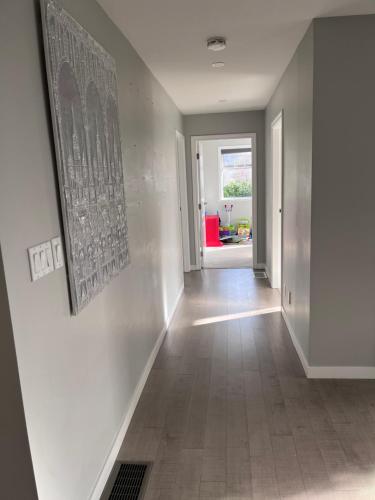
column 236, row 172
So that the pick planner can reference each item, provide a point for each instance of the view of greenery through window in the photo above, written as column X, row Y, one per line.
column 236, row 173
column 237, row 189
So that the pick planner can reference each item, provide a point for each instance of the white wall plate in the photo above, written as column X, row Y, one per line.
column 41, row 260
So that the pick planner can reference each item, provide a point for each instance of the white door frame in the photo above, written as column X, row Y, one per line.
column 195, row 140
column 277, row 203
column 183, row 201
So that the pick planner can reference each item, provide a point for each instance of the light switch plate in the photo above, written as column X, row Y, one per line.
column 41, row 260
column 57, row 252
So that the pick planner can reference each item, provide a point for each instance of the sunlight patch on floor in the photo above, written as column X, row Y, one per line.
column 230, row 317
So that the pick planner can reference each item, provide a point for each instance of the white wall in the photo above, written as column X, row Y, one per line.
column 78, row 374
column 326, row 94
column 210, row 153
column 343, row 201
column 294, row 96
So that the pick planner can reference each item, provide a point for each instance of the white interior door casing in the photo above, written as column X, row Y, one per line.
column 202, row 200
column 277, row 169
column 183, row 201
column 199, row 231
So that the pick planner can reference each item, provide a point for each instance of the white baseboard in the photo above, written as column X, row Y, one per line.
column 339, row 372
column 269, row 276
column 116, row 445
column 194, row 267
column 267, row 271
column 344, row 372
column 259, row 266
column 296, row 343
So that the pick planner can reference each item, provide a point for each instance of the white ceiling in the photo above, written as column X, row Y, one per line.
column 262, row 35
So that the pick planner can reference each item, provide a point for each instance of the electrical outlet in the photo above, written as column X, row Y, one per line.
column 290, row 297
column 41, row 260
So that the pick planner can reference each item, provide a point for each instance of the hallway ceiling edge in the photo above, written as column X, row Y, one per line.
column 262, row 35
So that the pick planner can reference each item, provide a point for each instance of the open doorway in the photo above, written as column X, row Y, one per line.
column 277, row 176
column 225, row 200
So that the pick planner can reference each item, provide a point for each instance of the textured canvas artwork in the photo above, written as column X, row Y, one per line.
column 83, row 97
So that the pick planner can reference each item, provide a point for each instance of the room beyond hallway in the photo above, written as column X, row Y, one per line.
column 227, row 412
column 226, row 215
column 231, row 256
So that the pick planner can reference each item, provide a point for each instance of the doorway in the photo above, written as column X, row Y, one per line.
column 224, row 191
column 277, row 183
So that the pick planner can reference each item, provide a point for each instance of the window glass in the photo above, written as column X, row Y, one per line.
column 236, row 175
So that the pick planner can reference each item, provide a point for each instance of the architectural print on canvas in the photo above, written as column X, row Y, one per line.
column 83, row 98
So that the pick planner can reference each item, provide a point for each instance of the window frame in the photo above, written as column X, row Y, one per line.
column 222, row 167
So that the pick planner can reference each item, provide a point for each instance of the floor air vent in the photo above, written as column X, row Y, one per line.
column 260, row 274
column 128, row 481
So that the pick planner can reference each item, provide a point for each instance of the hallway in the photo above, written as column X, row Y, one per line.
column 227, row 412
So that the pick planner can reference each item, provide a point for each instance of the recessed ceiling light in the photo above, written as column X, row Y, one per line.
column 216, row 43
column 218, row 64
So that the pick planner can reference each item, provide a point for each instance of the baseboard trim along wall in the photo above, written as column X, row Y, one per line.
column 267, row 271
column 339, row 372
column 259, row 266
column 111, row 458
column 296, row 344
column 343, row 372
column 194, row 267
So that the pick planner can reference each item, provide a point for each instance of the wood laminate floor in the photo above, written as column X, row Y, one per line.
column 227, row 412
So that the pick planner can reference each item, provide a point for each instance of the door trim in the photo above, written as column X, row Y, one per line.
column 183, row 200
column 195, row 140
column 279, row 118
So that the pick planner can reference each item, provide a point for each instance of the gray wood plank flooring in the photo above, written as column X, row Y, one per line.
column 227, row 412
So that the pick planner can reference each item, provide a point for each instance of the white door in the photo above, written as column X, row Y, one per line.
column 277, row 168
column 182, row 192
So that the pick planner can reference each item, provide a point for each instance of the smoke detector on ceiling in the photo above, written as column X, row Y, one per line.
column 216, row 43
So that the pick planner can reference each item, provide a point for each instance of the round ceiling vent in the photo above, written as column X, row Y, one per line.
column 216, row 43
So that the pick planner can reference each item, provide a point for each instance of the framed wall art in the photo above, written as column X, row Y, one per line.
column 84, row 108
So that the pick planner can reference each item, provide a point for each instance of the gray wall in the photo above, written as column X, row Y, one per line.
column 343, row 206
column 212, row 182
column 228, row 123
column 17, row 477
column 78, row 374
column 294, row 96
